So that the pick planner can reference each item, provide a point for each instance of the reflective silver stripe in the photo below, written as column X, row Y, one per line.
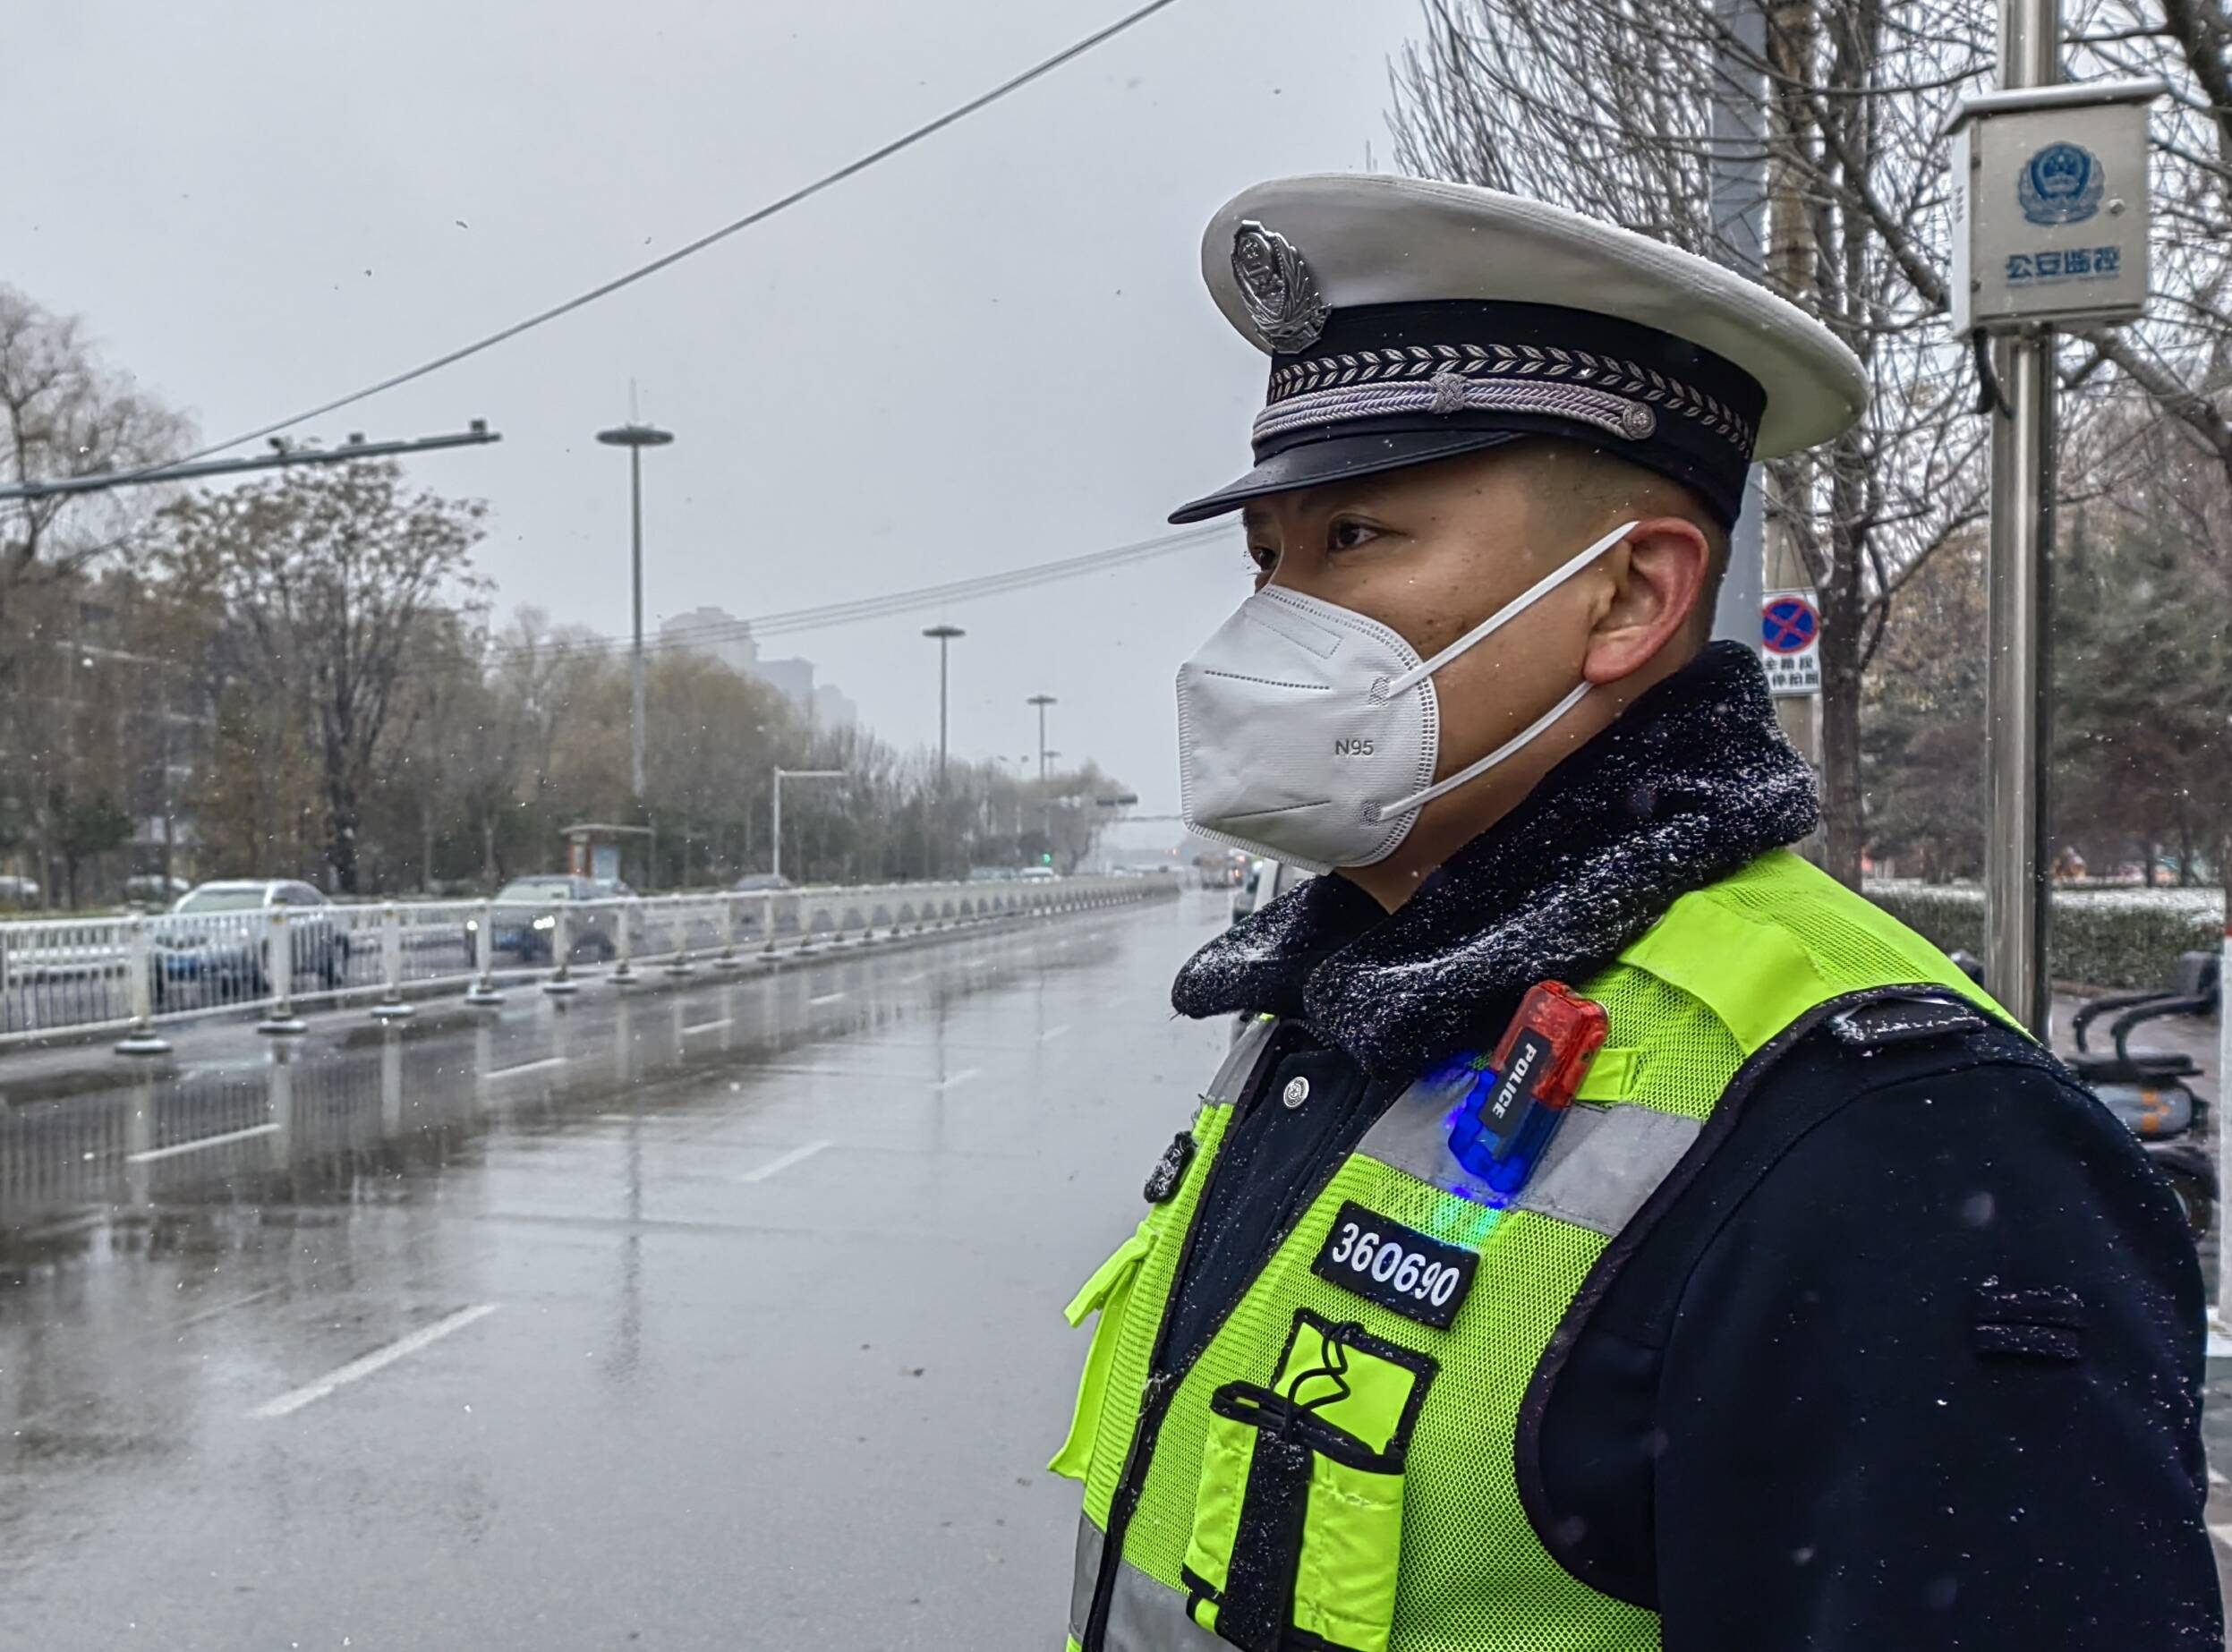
column 1147, row 1616
column 1603, row 1163
column 1086, row 1573
column 1143, row 1615
column 1240, row 1062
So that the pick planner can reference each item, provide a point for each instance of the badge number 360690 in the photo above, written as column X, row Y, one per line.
column 1413, row 1273
column 1389, row 1262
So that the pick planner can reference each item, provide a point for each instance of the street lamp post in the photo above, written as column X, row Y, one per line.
column 1042, row 702
column 635, row 437
column 945, row 634
column 776, row 867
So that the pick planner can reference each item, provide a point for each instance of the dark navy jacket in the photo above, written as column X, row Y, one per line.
column 1914, row 1360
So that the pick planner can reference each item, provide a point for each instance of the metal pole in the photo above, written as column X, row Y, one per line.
column 1738, row 183
column 2018, row 676
column 635, row 437
column 635, row 518
column 2224, row 1137
column 777, row 868
column 944, row 634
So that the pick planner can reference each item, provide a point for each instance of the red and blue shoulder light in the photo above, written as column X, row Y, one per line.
column 1502, row 1125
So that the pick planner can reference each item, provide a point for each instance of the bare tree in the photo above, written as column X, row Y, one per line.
column 321, row 583
column 1604, row 105
column 61, row 414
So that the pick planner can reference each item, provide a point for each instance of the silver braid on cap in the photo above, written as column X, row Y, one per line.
column 1547, row 369
column 1452, row 393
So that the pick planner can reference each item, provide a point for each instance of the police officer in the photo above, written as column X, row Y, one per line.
column 1759, row 1285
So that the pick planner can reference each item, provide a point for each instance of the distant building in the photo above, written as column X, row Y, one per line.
column 792, row 678
column 718, row 634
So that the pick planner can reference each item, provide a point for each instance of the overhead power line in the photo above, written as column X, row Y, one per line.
column 852, row 168
column 891, row 603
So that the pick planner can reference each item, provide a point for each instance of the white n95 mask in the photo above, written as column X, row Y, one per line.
column 1309, row 732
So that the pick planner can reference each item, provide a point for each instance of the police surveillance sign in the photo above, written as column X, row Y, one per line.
column 2050, row 206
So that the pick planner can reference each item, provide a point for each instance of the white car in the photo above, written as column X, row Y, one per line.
column 1265, row 881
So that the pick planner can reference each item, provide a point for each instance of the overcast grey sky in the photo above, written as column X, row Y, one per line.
column 989, row 352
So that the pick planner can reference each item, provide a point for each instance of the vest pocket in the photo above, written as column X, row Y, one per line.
column 1297, row 1539
column 1107, row 1293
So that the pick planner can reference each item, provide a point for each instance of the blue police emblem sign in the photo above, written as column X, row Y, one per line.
column 2060, row 185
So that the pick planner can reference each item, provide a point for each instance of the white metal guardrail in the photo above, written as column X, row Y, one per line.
column 136, row 975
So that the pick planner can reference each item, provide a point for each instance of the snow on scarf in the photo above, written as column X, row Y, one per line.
column 1691, row 782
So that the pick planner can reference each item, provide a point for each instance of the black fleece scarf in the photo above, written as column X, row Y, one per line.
column 1692, row 781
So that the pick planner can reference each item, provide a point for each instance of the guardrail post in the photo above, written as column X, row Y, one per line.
column 280, row 1018
column 679, row 964
column 484, row 988
column 727, row 958
column 767, row 923
column 391, row 1006
column 141, row 1039
column 623, row 970
column 561, row 980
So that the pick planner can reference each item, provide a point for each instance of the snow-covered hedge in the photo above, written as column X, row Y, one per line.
column 2102, row 937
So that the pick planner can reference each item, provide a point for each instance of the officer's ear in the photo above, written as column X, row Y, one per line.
column 1659, row 577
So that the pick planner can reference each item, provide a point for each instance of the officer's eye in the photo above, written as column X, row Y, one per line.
column 1263, row 558
column 1347, row 534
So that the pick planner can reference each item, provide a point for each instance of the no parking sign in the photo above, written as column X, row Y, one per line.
column 1790, row 642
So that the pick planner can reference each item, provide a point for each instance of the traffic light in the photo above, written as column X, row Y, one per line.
column 1046, row 857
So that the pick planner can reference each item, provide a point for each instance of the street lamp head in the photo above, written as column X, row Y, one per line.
column 1041, row 700
column 635, row 435
column 943, row 631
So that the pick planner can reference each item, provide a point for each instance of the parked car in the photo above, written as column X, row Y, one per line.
column 155, row 887
column 19, row 891
column 216, row 943
column 760, row 883
column 1037, row 874
column 523, row 923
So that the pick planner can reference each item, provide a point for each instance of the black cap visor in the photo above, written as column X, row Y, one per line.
column 1312, row 463
column 1341, row 458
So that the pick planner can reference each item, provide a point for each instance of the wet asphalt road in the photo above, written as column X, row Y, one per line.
column 720, row 1317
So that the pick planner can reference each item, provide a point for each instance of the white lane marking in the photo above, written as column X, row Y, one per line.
column 709, row 1026
column 2222, row 1533
column 783, row 1163
column 963, row 1077
column 2216, row 1478
column 196, row 1146
column 910, row 980
column 379, row 1360
column 227, row 1308
column 527, row 1067
column 826, row 998
column 1052, row 1033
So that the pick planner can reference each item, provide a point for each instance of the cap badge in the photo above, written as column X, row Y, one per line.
column 1281, row 293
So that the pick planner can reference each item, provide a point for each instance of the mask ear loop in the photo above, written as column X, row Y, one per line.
column 1503, row 615
column 1474, row 771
